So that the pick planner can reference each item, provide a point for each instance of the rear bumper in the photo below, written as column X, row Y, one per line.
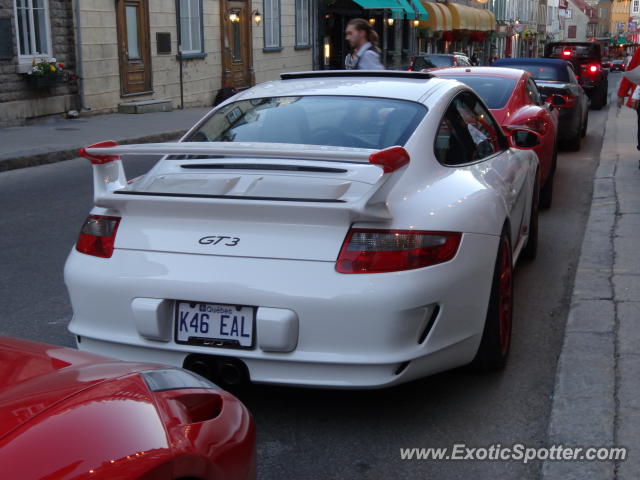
column 352, row 330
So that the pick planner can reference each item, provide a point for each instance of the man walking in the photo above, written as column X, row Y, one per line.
column 363, row 41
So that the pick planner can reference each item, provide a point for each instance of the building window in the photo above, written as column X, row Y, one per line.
column 272, row 24
column 571, row 31
column 302, row 23
column 32, row 28
column 636, row 7
column 190, row 27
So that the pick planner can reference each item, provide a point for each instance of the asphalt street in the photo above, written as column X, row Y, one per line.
column 319, row 434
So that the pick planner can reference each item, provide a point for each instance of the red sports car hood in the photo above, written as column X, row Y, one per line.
column 35, row 376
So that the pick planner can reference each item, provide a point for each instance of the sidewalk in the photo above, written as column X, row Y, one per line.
column 597, row 393
column 59, row 139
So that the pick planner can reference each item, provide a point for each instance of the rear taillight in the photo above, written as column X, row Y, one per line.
column 379, row 251
column 569, row 101
column 98, row 235
column 593, row 68
column 566, row 53
column 390, row 159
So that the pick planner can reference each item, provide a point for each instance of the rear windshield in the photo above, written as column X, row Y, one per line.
column 495, row 91
column 540, row 72
column 432, row 61
column 577, row 50
column 357, row 122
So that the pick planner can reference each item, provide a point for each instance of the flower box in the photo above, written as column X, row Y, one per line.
column 49, row 80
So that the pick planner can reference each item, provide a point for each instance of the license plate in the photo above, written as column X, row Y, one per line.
column 214, row 325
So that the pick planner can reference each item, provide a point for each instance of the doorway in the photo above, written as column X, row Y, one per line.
column 237, row 64
column 132, row 19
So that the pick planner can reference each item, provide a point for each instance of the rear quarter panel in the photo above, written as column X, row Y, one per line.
column 476, row 198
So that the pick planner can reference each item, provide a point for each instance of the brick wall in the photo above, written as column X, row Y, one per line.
column 18, row 100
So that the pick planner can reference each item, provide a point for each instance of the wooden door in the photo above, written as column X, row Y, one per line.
column 132, row 18
column 237, row 65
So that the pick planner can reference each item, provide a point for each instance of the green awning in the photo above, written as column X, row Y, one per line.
column 399, row 8
column 420, row 10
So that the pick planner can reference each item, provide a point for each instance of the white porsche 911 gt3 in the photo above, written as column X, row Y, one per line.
column 343, row 229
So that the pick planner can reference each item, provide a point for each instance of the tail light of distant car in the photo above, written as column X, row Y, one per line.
column 413, row 59
column 380, row 251
column 569, row 101
column 98, row 235
column 566, row 53
column 591, row 69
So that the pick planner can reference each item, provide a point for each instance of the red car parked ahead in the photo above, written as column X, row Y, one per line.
column 66, row 414
column 514, row 99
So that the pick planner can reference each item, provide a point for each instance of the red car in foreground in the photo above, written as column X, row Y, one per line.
column 514, row 99
column 66, row 414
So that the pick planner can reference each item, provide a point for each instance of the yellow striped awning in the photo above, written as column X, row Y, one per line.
column 469, row 18
column 434, row 21
column 446, row 15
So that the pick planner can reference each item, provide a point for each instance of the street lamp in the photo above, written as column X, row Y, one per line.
column 390, row 21
column 257, row 17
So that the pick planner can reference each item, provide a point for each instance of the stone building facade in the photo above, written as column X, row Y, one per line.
column 225, row 47
column 20, row 100
column 173, row 52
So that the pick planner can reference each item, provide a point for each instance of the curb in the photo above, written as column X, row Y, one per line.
column 32, row 160
column 584, row 402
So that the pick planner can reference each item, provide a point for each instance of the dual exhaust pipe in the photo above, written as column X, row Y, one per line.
column 223, row 371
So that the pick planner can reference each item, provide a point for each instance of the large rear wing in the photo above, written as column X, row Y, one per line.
column 377, row 166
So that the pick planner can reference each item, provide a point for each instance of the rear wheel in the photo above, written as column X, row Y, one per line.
column 598, row 99
column 546, row 192
column 575, row 142
column 531, row 248
column 585, row 125
column 496, row 337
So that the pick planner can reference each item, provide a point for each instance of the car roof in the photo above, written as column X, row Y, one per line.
column 365, row 84
column 581, row 44
column 532, row 61
column 480, row 71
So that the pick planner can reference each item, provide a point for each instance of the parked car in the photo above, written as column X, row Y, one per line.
column 428, row 61
column 618, row 65
column 514, row 100
column 586, row 58
column 346, row 229
column 558, row 84
column 69, row 415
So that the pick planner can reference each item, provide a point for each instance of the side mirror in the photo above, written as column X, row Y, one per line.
column 524, row 138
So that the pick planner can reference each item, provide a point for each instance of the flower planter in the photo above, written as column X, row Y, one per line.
column 49, row 80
